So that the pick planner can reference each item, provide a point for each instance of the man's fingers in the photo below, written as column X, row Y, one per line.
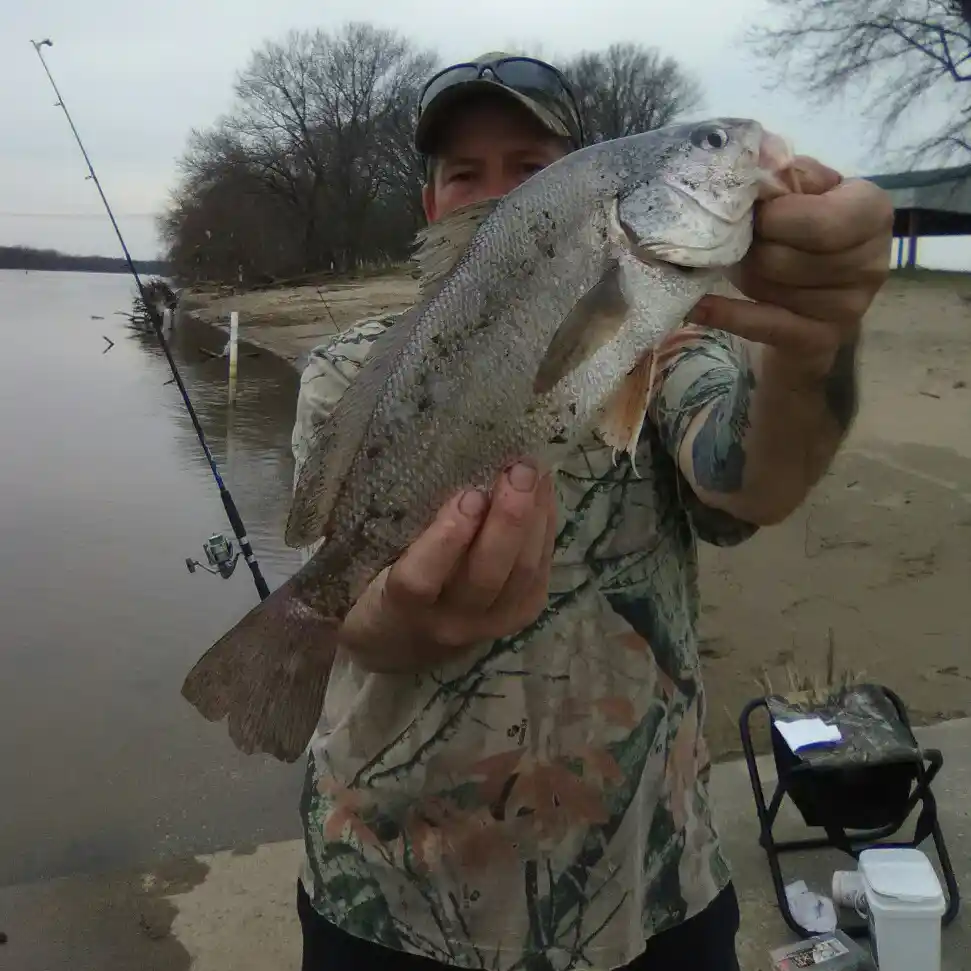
column 529, row 563
column 427, row 565
column 527, row 590
column 497, row 546
column 552, row 530
column 810, row 176
column 844, row 306
column 840, row 219
column 788, row 267
column 766, row 324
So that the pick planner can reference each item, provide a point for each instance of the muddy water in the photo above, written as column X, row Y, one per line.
column 104, row 492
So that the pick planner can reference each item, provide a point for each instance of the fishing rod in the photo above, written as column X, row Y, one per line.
column 218, row 549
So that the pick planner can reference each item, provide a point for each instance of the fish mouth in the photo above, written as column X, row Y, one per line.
column 727, row 216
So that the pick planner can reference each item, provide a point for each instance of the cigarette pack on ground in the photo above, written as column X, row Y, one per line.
column 824, row 952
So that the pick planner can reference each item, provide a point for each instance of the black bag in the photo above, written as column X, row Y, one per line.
column 863, row 782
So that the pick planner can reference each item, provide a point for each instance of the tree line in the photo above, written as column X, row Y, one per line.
column 313, row 171
column 29, row 258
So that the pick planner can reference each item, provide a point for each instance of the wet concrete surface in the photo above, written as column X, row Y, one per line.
column 115, row 922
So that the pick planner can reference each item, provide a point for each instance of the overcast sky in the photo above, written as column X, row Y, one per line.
column 136, row 79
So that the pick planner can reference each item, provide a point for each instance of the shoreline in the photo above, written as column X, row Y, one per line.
column 289, row 322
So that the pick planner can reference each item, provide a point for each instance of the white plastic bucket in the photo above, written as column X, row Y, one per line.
column 905, row 904
column 849, row 890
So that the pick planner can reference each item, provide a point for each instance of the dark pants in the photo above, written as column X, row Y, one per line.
column 706, row 942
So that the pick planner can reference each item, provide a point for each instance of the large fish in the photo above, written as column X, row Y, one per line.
column 536, row 317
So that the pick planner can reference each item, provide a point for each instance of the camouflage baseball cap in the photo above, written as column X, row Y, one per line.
column 539, row 87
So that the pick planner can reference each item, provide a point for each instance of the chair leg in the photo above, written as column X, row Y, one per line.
column 947, row 868
column 766, row 814
column 935, row 760
column 750, row 760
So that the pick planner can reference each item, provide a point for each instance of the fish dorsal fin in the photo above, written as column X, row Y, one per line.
column 441, row 244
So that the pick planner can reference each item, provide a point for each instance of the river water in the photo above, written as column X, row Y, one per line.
column 104, row 492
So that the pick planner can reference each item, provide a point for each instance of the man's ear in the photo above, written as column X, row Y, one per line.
column 428, row 202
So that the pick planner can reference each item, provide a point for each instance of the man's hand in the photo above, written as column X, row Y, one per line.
column 480, row 571
column 817, row 261
column 814, row 267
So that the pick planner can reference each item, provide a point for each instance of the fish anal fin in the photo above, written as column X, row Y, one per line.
column 440, row 245
column 625, row 412
column 595, row 318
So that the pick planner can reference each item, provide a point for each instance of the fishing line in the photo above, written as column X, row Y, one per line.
column 231, row 511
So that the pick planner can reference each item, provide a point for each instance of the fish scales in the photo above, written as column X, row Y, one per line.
column 455, row 408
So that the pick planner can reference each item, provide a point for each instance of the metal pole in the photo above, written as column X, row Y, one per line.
column 233, row 354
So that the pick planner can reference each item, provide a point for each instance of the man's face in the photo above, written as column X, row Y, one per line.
column 488, row 149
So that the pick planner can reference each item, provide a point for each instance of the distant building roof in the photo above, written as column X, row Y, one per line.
column 934, row 202
column 921, row 179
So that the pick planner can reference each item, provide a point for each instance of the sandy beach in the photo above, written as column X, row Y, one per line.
column 878, row 559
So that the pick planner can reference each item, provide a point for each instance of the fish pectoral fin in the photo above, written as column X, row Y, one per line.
column 597, row 317
column 440, row 245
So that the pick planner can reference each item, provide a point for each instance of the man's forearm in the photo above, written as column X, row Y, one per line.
column 758, row 450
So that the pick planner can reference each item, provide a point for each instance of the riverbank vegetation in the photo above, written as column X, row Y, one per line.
column 312, row 173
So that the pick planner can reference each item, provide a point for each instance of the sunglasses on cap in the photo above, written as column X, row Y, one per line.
column 532, row 78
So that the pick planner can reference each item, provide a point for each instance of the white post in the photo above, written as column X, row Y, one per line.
column 166, row 321
column 233, row 353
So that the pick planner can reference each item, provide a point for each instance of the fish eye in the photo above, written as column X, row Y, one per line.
column 711, row 139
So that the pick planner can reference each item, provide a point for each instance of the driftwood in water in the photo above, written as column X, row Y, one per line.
column 159, row 296
column 137, row 321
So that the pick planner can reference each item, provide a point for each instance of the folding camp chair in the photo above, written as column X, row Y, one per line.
column 861, row 791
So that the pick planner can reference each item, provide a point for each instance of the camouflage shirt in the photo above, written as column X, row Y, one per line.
column 542, row 800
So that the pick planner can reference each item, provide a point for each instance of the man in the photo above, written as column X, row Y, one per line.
column 514, row 775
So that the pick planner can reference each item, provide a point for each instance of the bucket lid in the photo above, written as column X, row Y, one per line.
column 902, row 873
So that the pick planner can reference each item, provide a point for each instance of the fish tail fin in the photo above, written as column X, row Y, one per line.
column 267, row 676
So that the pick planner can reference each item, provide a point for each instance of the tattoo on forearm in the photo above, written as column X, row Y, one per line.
column 718, row 453
column 840, row 387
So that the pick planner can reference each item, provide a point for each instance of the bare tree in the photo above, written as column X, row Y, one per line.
column 368, row 88
column 628, row 89
column 314, row 168
column 904, row 54
column 224, row 221
column 312, row 109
